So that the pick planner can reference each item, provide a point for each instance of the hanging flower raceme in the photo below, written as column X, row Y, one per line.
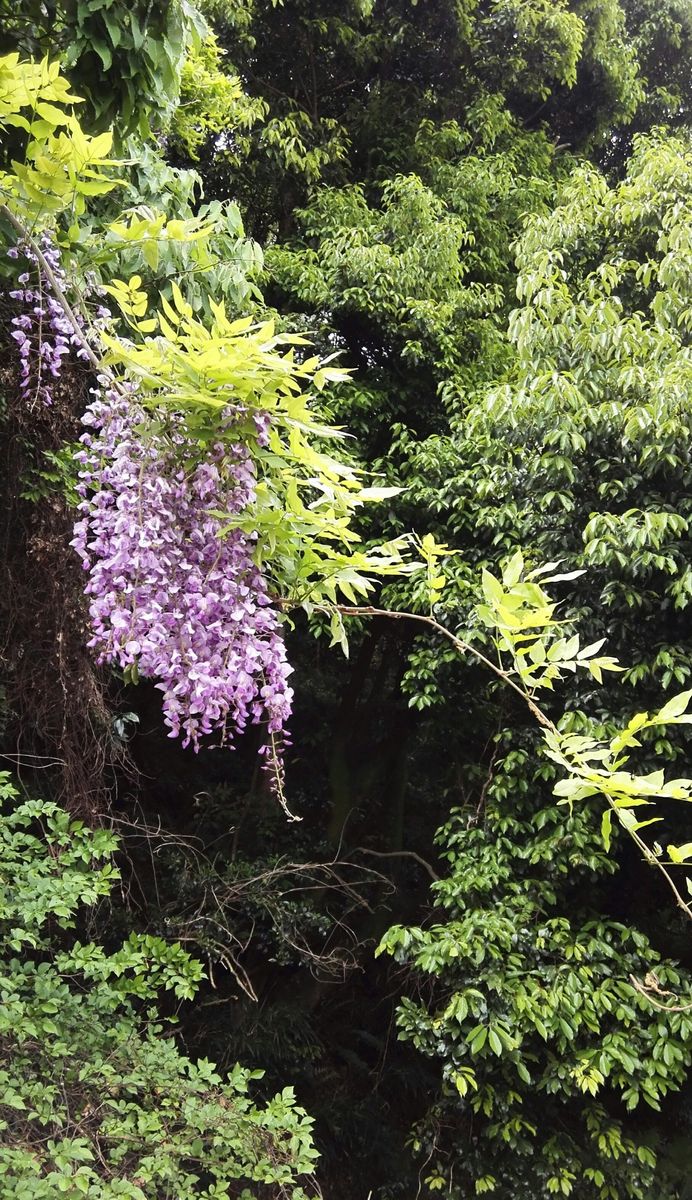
column 169, row 597
column 42, row 331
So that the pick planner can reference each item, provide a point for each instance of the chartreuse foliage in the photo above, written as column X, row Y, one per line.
column 211, row 102
column 304, row 497
column 63, row 165
column 197, row 367
column 534, row 649
column 96, row 1100
column 204, row 250
column 525, row 628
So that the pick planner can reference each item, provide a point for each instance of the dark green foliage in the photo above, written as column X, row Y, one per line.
column 348, row 100
column 96, row 1099
column 125, row 59
column 454, row 197
column 507, row 430
column 532, row 1008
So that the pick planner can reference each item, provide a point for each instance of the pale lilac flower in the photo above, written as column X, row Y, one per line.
column 43, row 334
column 169, row 595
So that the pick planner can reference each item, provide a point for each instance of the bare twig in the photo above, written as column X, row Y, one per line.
column 399, row 854
column 463, row 648
column 368, row 610
column 650, row 985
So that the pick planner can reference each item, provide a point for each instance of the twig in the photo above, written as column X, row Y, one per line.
column 399, row 854
column 367, row 610
column 650, row 985
column 486, row 784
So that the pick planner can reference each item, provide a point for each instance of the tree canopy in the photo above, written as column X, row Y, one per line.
column 346, row 411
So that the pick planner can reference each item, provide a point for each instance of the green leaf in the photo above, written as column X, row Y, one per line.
column 494, row 1042
column 606, row 828
column 674, row 708
column 680, row 854
column 513, row 569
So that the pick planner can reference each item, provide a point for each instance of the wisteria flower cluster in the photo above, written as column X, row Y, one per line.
column 170, row 599
column 43, row 334
column 169, row 595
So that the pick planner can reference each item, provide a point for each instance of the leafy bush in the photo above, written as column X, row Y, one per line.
column 95, row 1098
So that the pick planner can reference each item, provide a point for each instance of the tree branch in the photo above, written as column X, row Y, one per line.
column 399, row 854
column 367, row 610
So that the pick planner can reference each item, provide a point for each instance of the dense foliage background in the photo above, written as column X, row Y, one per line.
column 484, row 207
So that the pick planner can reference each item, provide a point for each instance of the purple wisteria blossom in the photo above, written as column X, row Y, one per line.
column 43, row 333
column 168, row 595
column 190, row 608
